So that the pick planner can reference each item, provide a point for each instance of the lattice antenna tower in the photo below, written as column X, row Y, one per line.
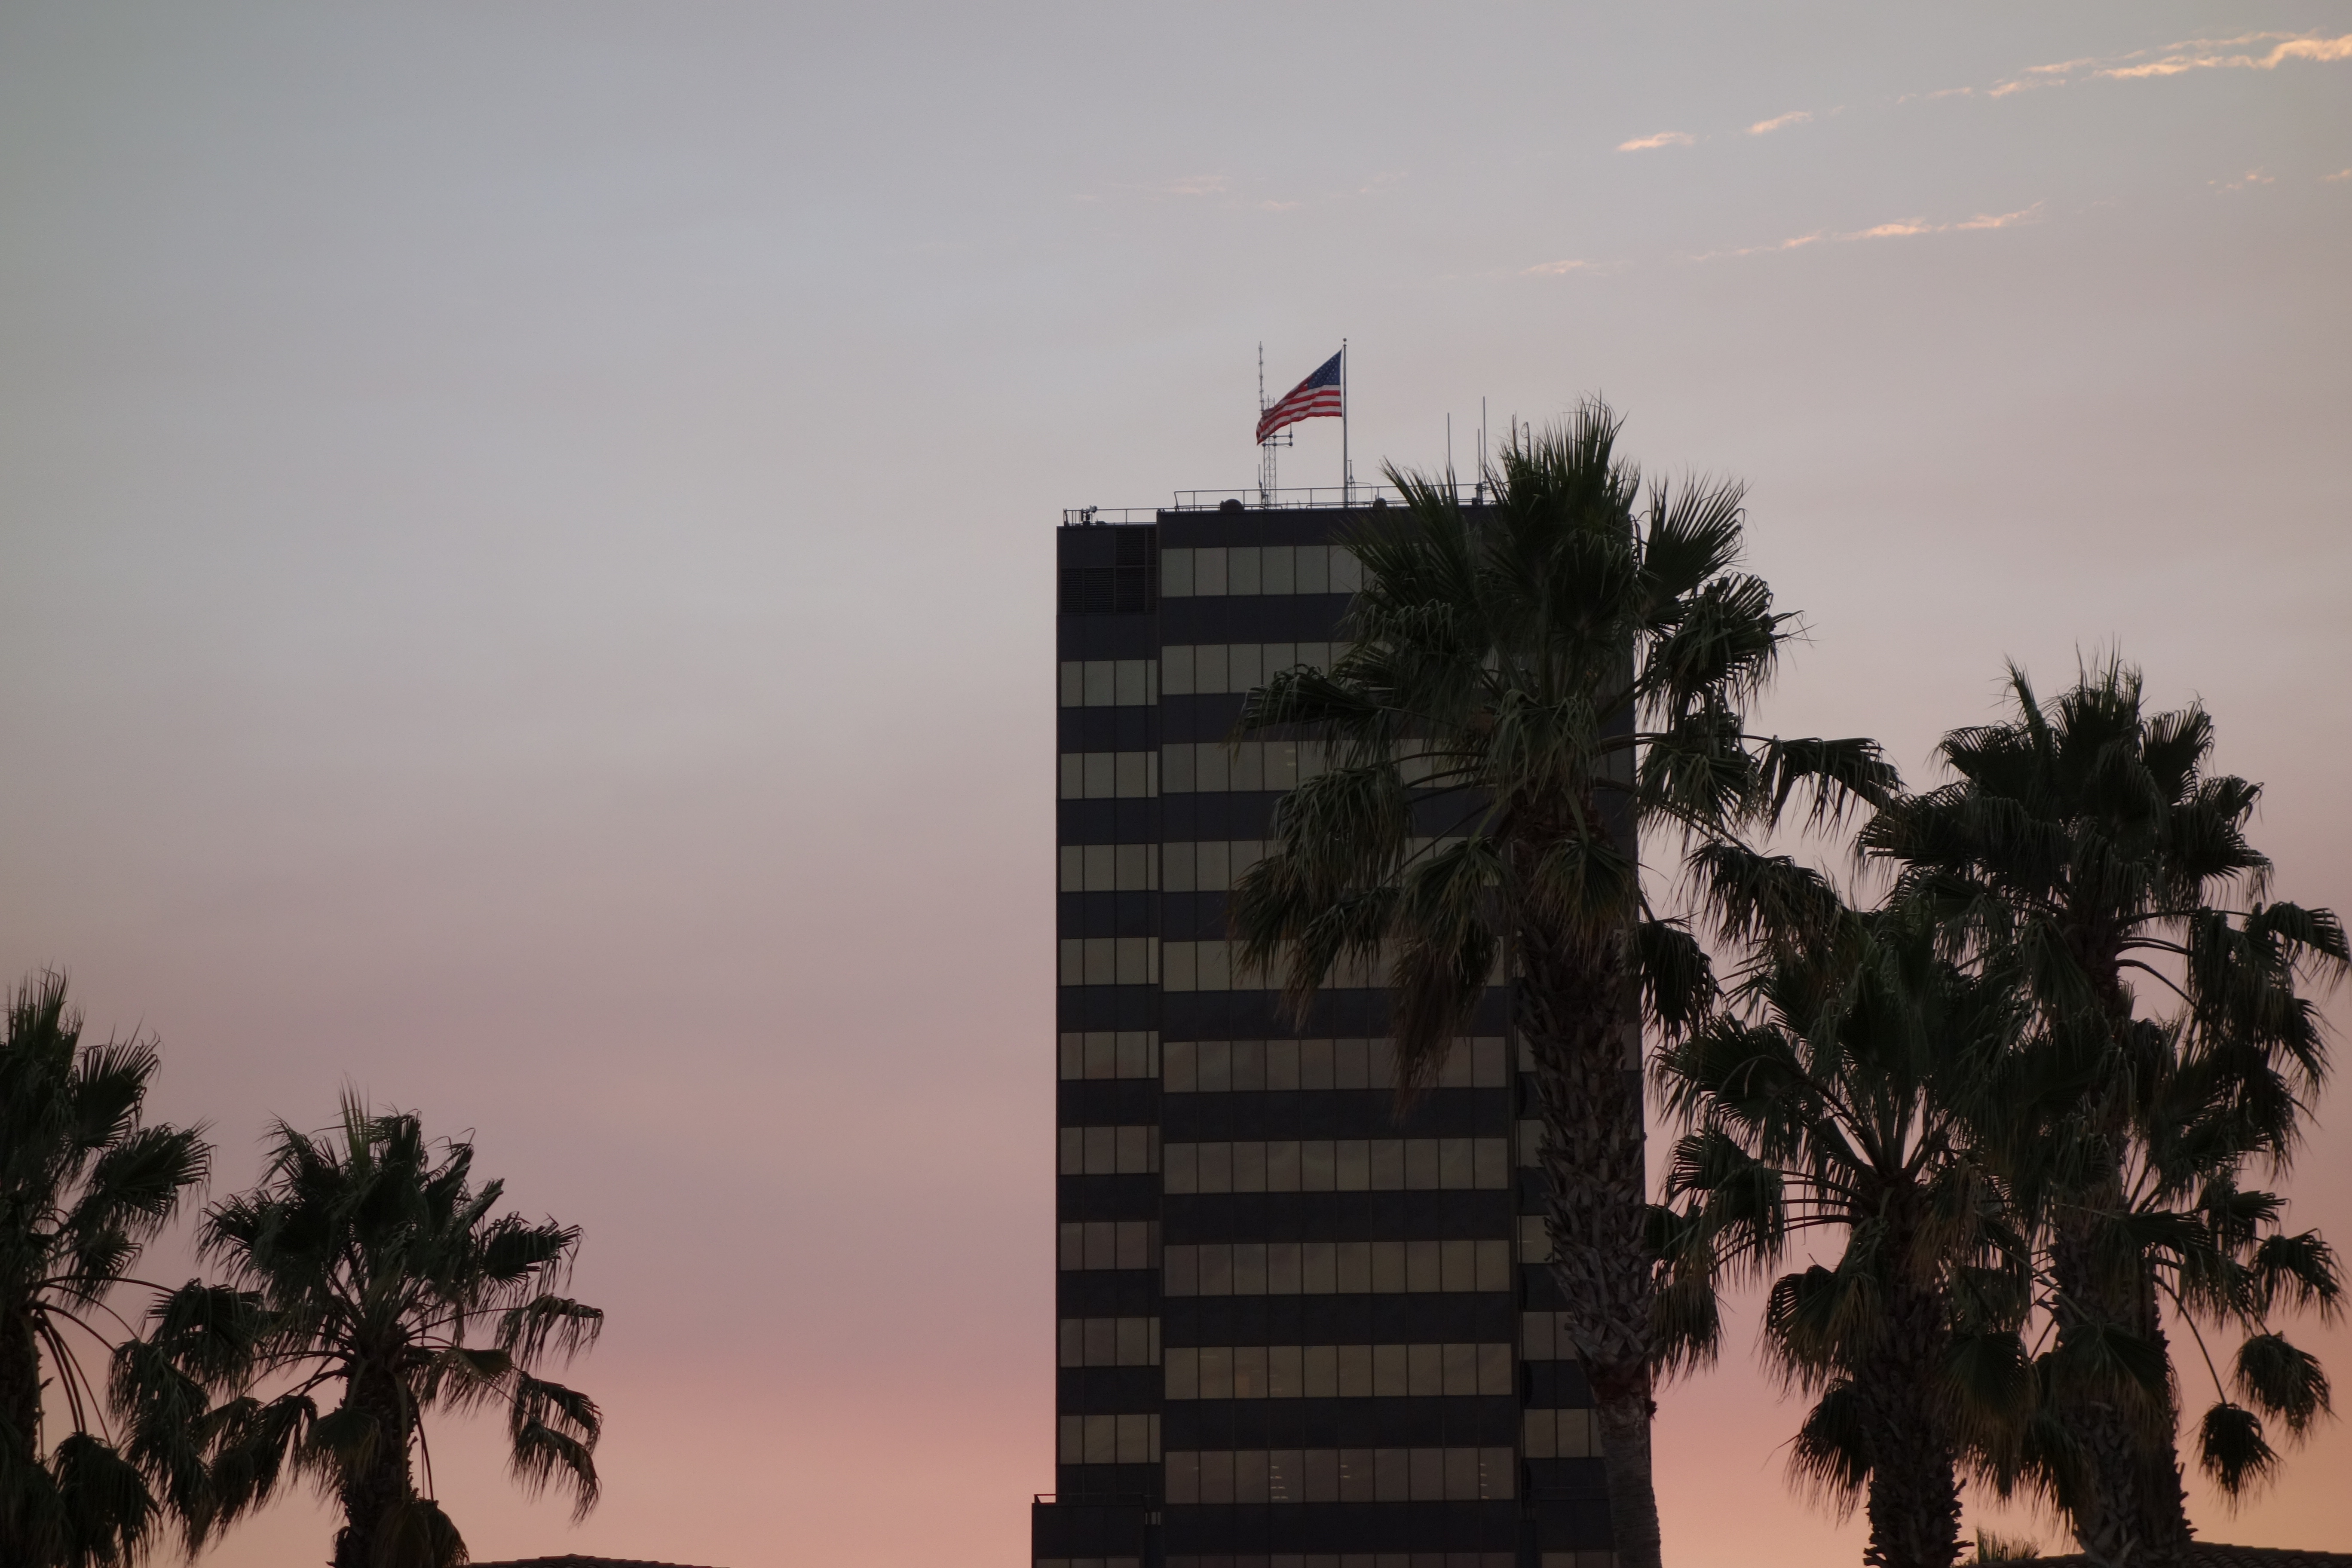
column 1265, row 448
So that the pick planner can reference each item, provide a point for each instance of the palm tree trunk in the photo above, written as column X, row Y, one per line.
column 2132, row 1509
column 1914, row 1496
column 374, row 1489
column 20, row 1429
column 1573, row 1005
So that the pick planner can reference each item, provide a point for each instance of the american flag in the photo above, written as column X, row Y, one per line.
column 1317, row 397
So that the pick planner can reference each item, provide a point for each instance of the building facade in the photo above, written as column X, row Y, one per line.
column 1295, row 1330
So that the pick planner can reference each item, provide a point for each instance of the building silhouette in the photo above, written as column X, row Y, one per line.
column 1295, row 1330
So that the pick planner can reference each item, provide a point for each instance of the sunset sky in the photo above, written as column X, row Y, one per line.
column 526, row 574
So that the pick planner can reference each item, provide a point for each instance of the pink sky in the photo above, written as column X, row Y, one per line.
column 526, row 572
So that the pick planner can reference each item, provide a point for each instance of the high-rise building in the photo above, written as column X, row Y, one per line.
column 1295, row 1330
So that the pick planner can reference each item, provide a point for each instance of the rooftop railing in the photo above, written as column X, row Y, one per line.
column 1292, row 499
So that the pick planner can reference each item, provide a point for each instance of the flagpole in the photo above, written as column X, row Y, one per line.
column 1347, row 472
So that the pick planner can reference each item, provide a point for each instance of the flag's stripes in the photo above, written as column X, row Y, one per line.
column 1317, row 397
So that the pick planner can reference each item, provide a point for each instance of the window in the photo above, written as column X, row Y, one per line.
column 1535, row 1240
column 1110, row 775
column 1334, row 1165
column 1111, row 868
column 1110, row 1342
column 1213, row 966
column 1109, row 1150
column 1337, row 1371
column 1562, row 1434
column 1110, row 961
column 1530, row 1141
column 1333, row 1268
column 1110, row 1440
column 1211, row 571
column 1210, row 1477
column 1218, row 1067
column 1213, row 767
column 1210, row 866
column 1129, row 1052
column 1109, row 1244
column 1543, row 1336
column 1191, row 669
column 1110, row 683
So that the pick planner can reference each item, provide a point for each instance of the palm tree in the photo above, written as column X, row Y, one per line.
column 1532, row 683
column 84, row 1183
column 1844, row 1110
column 2081, row 843
column 365, row 1263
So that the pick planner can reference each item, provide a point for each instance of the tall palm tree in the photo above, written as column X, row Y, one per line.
column 364, row 1264
column 84, row 1183
column 2082, row 844
column 1843, row 1109
column 1533, row 683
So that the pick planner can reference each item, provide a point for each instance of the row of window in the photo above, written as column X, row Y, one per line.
column 1338, row 1372
column 1110, row 682
column 1336, row 1166
column 1247, row 569
column 1312, row 1372
column 1186, row 965
column 1112, row 867
column 1203, row 865
column 1110, row 1151
column 1341, row 1475
column 1110, row 1342
column 1110, row 959
column 1221, row 1066
column 1212, row 865
column 1103, row 1053
column 1187, row 669
column 1110, row 775
column 1202, row 670
column 1215, row 966
column 1208, row 866
column 1335, row 1267
column 1210, row 767
column 1562, row 1434
column 1204, row 767
column 1109, row 1440
column 1109, row 1244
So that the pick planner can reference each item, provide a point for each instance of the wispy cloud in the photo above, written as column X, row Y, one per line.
column 1799, row 243
column 2339, row 174
column 2000, row 220
column 1663, row 139
column 2246, row 181
column 2246, row 52
column 1555, row 268
column 1274, row 206
column 1780, row 122
column 1196, row 186
column 1898, row 228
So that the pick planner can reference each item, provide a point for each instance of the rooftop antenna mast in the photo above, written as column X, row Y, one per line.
column 1265, row 448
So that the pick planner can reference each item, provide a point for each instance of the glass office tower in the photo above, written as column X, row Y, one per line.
column 1295, row 1330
